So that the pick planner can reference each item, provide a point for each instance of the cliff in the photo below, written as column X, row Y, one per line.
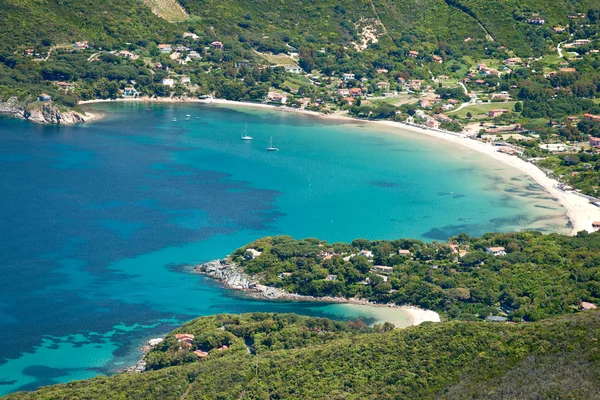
column 42, row 113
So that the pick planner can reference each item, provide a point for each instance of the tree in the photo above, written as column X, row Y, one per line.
column 518, row 106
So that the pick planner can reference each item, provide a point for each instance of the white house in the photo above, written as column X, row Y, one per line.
column 130, row 92
column 293, row 69
column 348, row 77
column 168, row 81
column 191, row 35
column 185, row 80
column 497, row 251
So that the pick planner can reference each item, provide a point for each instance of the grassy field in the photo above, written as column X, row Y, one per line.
column 481, row 110
column 169, row 10
column 277, row 58
column 396, row 100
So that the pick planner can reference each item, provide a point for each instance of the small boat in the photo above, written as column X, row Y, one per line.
column 187, row 117
column 197, row 117
column 245, row 134
column 271, row 148
column 174, row 119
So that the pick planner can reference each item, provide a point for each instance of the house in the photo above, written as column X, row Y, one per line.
column 536, row 21
column 292, row 69
column 201, row 354
column 558, row 29
column 403, row 252
column 66, row 86
column 382, row 71
column 496, row 112
column 348, row 77
column 331, row 277
column 223, row 347
column 274, row 97
column 495, row 318
column 175, row 56
column 513, row 61
column 168, row 82
column 44, row 97
column 432, row 123
column 130, row 92
column 568, row 69
column 186, row 338
column 442, row 117
column 413, row 53
column 595, row 142
column 126, row 54
column 28, row 52
column 284, row 275
column 383, row 269
column 437, row 59
column 581, row 42
column 587, row 306
column 185, row 80
column 416, row 84
column 217, row 45
column 555, row 147
column 591, row 117
column 80, row 45
column 383, row 85
column 497, row 251
column 181, row 48
column 191, row 35
column 194, row 55
column 252, row 253
column 453, row 102
column 165, row 48
column 355, row 92
column 343, row 92
column 501, row 96
column 366, row 253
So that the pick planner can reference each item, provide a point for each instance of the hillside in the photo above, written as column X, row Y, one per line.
column 299, row 357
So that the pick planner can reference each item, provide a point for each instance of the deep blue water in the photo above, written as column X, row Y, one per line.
column 98, row 220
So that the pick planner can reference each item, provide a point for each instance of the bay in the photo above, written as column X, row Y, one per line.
column 97, row 221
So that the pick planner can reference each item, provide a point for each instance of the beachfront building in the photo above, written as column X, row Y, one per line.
column 497, row 251
column 130, row 92
column 274, row 97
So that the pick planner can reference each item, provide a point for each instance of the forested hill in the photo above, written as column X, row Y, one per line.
column 259, row 356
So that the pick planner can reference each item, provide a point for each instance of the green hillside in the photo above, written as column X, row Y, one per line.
column 293, row 357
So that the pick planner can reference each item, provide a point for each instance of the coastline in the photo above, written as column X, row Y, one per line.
column 579, row 211
column 231, row 276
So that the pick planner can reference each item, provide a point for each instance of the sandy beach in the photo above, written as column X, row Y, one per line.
column 580, row 212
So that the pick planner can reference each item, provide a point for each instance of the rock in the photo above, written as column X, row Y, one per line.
column 42, row 113
column 154, row 342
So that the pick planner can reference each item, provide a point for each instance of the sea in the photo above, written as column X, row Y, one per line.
column 100, row 222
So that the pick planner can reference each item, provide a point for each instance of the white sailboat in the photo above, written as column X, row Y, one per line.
column 271, row 148
column 187, row 117
column 174, row 119
column 245, row 134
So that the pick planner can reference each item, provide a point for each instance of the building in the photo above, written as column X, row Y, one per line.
column 165, row 48
column 595, row 142
column 44, row 97
column 591, row 117
column 185, row 338
column 80, row 45
column 217, row 45
column 201, row 354
column 495, row 318
column 292, row 69
column 558, row 29
column 555, row 147
column 366, row 253
column 496, row 112
column 355, row 92
column 348, row 77
column 28, row 52
column 130, row 92
column 536, row 21
column 432, row 123
column 437, row 59
column 194, row 55
column 331, row 277
column 274, row 97
column 127, row 54
column 168, row 82
column 403, row 252
column 185, row 80
column 581, row 42
column 252, row 253
column 416, row 84
column 497, row 251
column 587, row 306
column 567, row 69
column 413, row 54
column 383, row 86
column 381, row 71
column 191, row 35
column 383, row 269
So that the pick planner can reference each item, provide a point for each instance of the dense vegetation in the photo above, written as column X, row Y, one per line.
column 540, row 276
column 301, row 358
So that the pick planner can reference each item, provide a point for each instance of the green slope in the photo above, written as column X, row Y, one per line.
column 557, row 358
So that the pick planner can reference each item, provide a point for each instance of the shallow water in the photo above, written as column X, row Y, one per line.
column 98, row 220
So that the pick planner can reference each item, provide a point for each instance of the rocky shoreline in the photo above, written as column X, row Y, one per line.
column 43, row 113
column 232, row 276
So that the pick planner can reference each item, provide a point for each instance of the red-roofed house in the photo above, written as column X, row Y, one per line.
column 413, row 54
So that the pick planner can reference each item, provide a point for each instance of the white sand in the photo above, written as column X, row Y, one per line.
column 580, row 211
column 400, row 316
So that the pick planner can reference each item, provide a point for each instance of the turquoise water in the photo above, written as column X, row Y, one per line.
column 99, row 220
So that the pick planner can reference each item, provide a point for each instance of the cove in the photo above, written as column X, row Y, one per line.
column 99, row 220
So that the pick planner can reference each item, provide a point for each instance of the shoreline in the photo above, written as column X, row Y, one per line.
column 579, row 211
column 231, row 276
